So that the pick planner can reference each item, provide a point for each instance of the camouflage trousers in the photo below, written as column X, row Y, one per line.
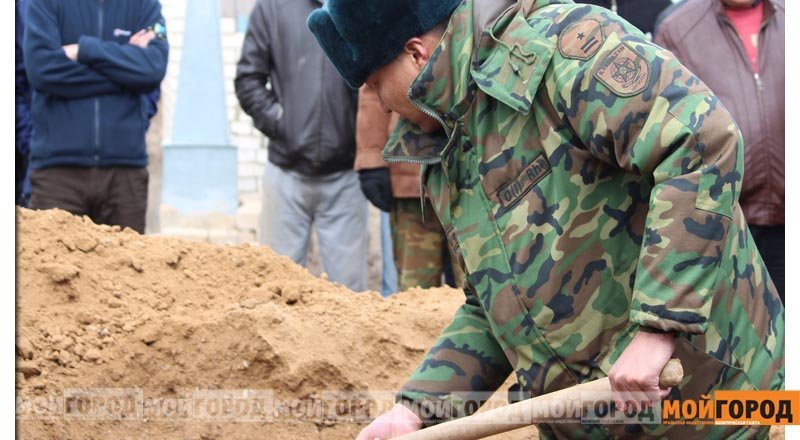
column 420, row 246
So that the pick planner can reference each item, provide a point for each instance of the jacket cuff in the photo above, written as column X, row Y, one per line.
column 659, row 324
column 87, row 48
column 430, row 410
column 656, row 331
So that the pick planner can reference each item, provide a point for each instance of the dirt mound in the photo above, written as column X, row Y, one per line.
column 163, row 320
column 127, row 336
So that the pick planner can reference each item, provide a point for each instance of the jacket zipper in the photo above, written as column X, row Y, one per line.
column 97, row 99
column 760, row 94
column 756, row 76
column 431, row 113
column 414, row 160
column 762, row 123
column 424, row 161
column 316, row 162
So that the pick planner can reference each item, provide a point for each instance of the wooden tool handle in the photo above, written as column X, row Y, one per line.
column 498, row 420
column 671, row 374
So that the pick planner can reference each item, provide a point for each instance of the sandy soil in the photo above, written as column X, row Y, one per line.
column 129, row 336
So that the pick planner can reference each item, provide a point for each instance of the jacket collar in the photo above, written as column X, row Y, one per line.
column 444, row 88
column 720, row 10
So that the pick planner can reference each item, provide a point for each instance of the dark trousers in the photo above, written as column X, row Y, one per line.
column 111, row 196
column 21, row 169
column 770, row 241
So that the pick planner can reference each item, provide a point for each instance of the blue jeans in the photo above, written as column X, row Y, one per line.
column 388, row 268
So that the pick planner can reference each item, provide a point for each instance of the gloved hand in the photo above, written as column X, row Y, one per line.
column 377, row 187
column 398, row 421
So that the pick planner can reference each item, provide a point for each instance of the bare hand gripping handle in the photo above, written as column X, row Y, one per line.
column 500, row 420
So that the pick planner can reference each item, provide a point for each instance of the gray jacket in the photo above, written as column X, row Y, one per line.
column 703, row 38
column 309, row 113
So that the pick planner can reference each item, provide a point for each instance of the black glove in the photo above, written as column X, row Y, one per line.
column 377, row 187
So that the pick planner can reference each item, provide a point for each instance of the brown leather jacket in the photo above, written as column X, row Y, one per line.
column 703, row 38
column 373, row 126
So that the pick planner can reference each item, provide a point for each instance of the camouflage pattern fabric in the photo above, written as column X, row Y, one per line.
column 419, row 245
column 589, row 184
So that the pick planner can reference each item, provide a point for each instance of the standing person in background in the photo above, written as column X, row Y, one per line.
column 640, row 13
column 746, row 71
column 22, row 98
column 418, row 241
column 309, row 116
column 90, row 65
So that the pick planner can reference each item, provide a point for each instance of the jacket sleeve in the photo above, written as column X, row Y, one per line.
column 49, row 70
column 462, row 369
column 635, row 107
column 152, row 102
column 132, row 67
column 372, row 130
column 253, row 73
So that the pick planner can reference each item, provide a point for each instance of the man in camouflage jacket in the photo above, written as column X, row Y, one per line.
column 590, row 183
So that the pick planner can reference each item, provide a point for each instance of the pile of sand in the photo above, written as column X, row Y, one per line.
column 102, row 308
column 187, row 331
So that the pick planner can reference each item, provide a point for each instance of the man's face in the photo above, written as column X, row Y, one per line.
column 392, row 82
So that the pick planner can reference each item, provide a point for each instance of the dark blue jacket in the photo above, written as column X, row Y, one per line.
column 22, row 89
column 22, row 99
column 92, row 112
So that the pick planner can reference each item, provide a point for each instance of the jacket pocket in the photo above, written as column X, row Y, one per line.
column 123, row 121
column 277, row 121
column 507, row 191
column 68, row 129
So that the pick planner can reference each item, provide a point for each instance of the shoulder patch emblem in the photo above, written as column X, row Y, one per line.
column 624, row 71
column 580, row 41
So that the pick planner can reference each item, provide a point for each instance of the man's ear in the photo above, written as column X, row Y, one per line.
column 416, row 48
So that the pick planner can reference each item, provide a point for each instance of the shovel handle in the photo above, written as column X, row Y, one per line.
column 671, row 375
column 490, row 422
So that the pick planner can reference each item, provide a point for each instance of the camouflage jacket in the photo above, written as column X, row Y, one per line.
column 590, row 183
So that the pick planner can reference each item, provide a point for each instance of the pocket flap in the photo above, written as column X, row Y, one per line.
column 516, row 66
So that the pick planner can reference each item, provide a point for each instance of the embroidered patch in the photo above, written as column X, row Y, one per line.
column 624, row 71
column 580, row 41
column 510, row 193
